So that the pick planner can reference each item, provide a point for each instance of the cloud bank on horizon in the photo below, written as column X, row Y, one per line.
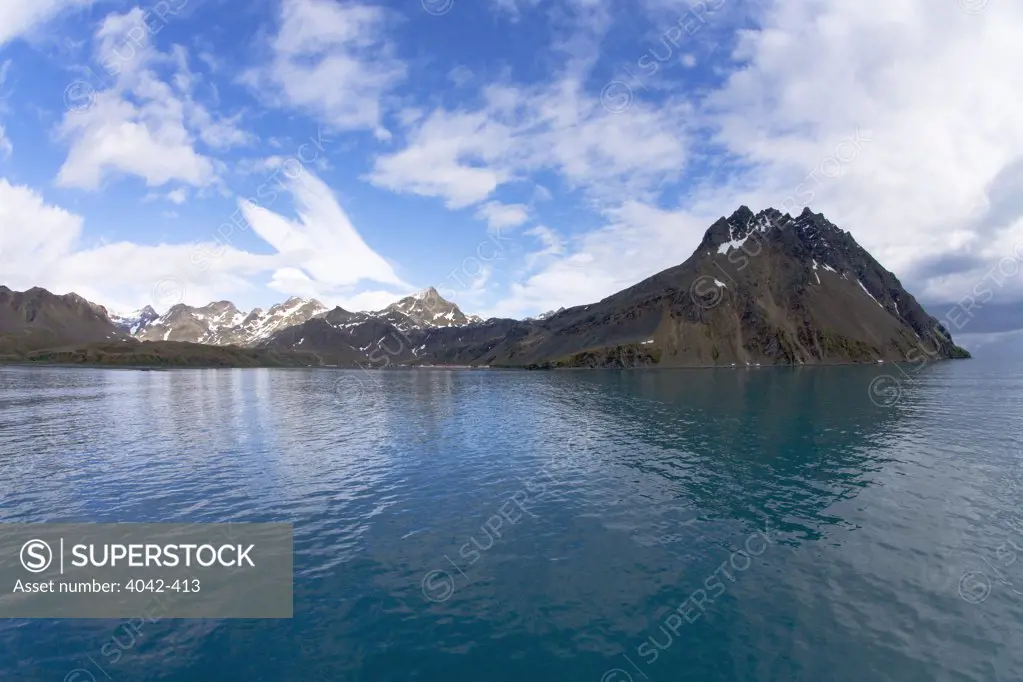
column 519, row 155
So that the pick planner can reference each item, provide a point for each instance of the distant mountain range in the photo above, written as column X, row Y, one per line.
column 222, row 324
column 764, row 288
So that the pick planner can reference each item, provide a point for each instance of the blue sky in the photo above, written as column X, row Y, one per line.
column 519, row 155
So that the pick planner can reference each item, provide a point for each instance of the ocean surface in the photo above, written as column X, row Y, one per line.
column 844, row 523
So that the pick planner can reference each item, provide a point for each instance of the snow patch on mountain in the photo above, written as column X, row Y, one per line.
column 869, row 294
column 222, row 324
column 424, row 310
column 134, row 322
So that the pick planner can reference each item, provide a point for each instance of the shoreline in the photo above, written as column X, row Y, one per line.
column 469, row 368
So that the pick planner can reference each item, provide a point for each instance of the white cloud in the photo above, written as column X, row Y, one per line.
column 117, row 135
column 21, row 17
column 142, row 125
column 508, row 6
column 461, row 76
column 449, row 155
column 333, row 61
column 6, row 148
column 463, row 156
column 937, row 94
column 500, row 216
column 294, row 282
column 935, row 91
column 26, row 251
column 319, row 254
column 55, row 255
column 178, row 196
column 553, row 245
column 321, row 251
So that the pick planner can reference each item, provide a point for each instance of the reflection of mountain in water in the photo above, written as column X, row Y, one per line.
column 777, row 444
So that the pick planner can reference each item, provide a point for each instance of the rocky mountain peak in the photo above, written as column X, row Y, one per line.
column 431, row 294
column 136, row 321
column 812, row 231
column 221, row 323
column 733, row 232
column 218, row 308
column 425, row 309
column 259, row 325
column 741, row 217
column 296, row 301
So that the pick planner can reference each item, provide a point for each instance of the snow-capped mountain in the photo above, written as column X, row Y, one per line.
column 259, row 325
column 196, row 325
column 425, row 310
column 135, row 322
column 222, row 324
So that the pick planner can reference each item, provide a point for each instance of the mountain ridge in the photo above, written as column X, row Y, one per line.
column 36, row 318
column 761, row 288
column 765, row 288
column 221, row 323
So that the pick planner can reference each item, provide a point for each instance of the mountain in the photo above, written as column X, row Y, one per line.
column 39, row 319
column 763, row 288
column 424, row 310
column 193, row 325
column 544, row 316
column 135, row 322
column 222, row 324
column 259, row 325
column 343, row 337
column 39, row 326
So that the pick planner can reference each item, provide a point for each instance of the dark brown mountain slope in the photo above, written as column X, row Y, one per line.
column 764, row 288
column 39, row 319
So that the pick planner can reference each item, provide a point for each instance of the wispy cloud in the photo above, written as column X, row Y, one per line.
column 318, row 254
column 333, row 61
column 125, row 119
column 20, row 17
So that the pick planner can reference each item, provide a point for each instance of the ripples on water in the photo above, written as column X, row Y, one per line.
column 628, row 491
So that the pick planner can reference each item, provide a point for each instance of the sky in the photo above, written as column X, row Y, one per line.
column 518, row 155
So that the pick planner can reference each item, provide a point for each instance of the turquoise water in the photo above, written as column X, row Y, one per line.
column 705, row 525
